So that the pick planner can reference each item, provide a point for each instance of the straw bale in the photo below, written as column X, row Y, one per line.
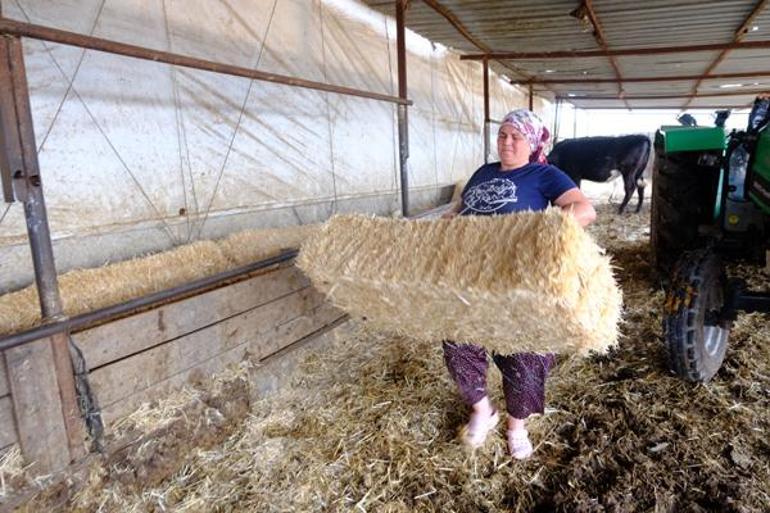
column 533, row 281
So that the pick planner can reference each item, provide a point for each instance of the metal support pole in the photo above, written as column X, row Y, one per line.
column 574, row 122
column 403, row 123
column 556, row 118
column 6, row 170
column 531, row 98
column 21, row 155
column 486, row 111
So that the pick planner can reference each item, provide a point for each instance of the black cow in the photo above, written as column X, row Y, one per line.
column 595, row 159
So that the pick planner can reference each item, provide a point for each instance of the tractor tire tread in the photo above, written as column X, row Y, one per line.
column 680, row 323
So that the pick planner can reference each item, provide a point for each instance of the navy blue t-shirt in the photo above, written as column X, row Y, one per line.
column 531, row 187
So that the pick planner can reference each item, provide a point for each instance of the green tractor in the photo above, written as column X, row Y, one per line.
column 710, row 204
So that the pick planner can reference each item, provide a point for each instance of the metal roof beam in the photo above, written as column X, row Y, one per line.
column 675, row 78
column 457, row 24
column 663, row 96
column 588, row 9
column 666, row 107
column 576, row 54
column 462, row 29
column 738, row 36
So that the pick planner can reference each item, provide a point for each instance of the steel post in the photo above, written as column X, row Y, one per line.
column 531, row 98
column 21, row 155
column 486, row 112
column 403, row 120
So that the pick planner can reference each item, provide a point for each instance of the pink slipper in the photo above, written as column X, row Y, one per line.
column 474, row 433
column 519, row 445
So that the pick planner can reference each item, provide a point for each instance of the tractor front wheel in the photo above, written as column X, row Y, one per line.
column 694, row 330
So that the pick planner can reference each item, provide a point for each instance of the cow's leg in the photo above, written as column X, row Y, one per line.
column 640, row 192
column 629, row 186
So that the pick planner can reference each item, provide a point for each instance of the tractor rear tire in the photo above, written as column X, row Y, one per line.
column 683, row 195
column 696, row 336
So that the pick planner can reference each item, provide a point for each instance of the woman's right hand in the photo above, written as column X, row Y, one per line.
column 448, row 215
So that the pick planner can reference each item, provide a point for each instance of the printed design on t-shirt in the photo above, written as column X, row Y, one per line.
column 490, row 196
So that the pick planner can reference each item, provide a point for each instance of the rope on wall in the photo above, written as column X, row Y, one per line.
column 71, row 81
column 328, row 114
column 5, row 212
column 71, row 88
column 181, row 137
column 393, row 122
column 89, row 407
column 237, row 125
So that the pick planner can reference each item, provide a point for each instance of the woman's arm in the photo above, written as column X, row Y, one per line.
column 575, row 201
column 454, row 210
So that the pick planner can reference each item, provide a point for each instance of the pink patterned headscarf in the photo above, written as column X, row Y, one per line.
column 532, row 127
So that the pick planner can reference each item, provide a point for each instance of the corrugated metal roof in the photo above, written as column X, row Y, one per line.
column 547, row 25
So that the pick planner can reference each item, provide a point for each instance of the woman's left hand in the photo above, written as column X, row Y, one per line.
column 453, row 210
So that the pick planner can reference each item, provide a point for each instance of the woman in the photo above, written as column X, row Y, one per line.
column 522, row 180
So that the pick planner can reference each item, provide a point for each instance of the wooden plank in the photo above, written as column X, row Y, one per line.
column 279, row 369
column 113, row 341
column 121, row 379
column 4, row 387
column 37, row 406
column 8, row 434
column 302, row 324
column 280, row 335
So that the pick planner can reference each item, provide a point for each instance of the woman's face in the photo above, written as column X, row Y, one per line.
column 512, row 147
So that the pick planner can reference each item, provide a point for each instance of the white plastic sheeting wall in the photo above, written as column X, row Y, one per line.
column 139, row 156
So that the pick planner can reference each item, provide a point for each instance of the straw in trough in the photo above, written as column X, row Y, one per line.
column 532, row 281
column 84, row 290
column 251, row 245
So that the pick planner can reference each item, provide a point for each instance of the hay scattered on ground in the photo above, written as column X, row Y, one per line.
column 11, row 470
column 533, row 281
column 85, row 290
column 150, row 416
column 370, row 423
column 143, row 448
